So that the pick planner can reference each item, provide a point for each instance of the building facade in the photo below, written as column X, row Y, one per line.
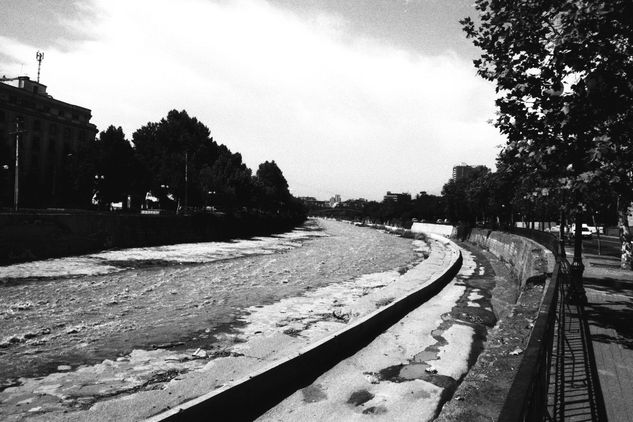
column 462, row 171
column 396, row 197
column 51, row 132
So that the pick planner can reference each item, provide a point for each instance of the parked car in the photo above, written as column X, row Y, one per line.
column 554, row 229
column 585, row 232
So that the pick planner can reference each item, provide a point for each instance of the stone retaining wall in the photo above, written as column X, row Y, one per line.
column 528, row 262
column 527, row 258
column 31, row 236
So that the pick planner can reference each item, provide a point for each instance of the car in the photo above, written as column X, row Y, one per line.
column 585, row 232
column 554, row 229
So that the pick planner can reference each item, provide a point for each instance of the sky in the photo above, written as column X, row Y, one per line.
column 349, row 97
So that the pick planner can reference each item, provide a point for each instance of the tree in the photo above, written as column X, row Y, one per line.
column 562, row 72
column 467, row 199
column 273, row 184
column 173, row 153
column 115, row 167
column 180, row 160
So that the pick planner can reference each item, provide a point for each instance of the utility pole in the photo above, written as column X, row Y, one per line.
column 186, row 180
column 16, row 184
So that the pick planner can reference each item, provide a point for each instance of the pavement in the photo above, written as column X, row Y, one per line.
column 608, row 322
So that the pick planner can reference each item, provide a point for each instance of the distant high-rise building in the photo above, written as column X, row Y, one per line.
column 392, row 196
column 335, row 200
column 462, row 171
column 51, row 131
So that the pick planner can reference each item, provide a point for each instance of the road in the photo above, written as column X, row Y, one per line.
column 609, row 246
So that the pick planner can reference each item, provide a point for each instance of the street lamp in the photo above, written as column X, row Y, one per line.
column 96, row 200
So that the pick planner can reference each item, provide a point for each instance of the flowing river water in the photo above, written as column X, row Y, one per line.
column 131, row 318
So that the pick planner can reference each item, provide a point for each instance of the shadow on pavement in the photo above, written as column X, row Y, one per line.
column 574, row 389
column 616, row 313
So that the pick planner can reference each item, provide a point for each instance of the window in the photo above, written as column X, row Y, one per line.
column 66, row 132
column 36, row 125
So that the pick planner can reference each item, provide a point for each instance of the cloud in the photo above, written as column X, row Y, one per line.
column 337, row 111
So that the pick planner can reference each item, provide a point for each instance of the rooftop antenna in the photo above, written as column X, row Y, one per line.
column 39, row 56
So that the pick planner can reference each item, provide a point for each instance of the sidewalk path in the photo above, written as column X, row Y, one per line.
column 609, row 314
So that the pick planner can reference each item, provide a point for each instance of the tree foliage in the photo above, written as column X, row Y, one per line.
column 178, row 162
column 182, row 161
column 562, row 71
column 115, row 166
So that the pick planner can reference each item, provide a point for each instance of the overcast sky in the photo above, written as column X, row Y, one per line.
column 354, row 97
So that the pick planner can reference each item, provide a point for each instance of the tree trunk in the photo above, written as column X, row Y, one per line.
column 593, row 217
column 577, row 291
column 561, row 234
column 626, row 261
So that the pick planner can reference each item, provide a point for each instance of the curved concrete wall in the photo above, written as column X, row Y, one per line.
column 251, row 396
column 528, row 261
column 527, row 258
column 441, row 229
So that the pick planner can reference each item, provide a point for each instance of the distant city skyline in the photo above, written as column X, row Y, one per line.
column 348, row 98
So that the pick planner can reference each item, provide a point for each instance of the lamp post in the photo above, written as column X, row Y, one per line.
column 98, row 185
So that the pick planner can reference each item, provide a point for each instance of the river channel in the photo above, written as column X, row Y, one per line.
column 69, row 317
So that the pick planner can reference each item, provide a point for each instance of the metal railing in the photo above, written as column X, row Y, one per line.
column 558, row 367
column 527, row 399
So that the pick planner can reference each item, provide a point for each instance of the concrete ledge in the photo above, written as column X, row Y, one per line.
column 428, row 228
column 251, row 396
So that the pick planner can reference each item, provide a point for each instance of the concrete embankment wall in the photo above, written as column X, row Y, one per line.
column 430, row 228
column 249, row 397
column 528, row 262
column 527, row 258
column 30, row 236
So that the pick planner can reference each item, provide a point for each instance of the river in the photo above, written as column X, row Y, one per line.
column 64, row 320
